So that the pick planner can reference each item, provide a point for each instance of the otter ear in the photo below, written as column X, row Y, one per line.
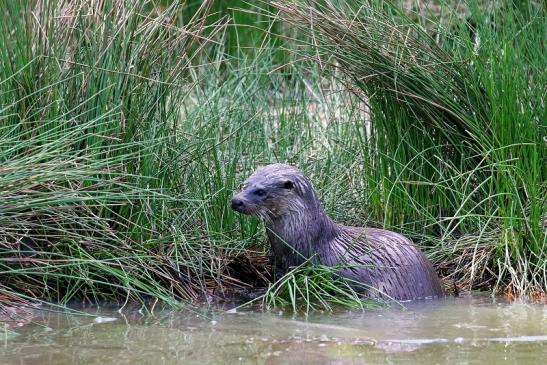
column 288, row 184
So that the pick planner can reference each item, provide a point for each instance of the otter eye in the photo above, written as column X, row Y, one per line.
column 288, row 184
column 260, row 192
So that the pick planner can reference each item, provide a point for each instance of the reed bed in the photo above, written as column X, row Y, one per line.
column 455, row 149
column 125, row 127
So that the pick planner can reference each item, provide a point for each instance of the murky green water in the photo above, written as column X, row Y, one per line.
column 468, row 330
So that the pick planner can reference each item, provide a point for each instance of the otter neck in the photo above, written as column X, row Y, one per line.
column 300, row 235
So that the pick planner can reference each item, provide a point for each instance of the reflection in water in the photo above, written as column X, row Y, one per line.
column 469, row 330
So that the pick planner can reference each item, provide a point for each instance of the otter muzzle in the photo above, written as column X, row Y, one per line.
column 238, row 205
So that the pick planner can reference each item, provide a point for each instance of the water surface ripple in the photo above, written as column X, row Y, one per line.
column 466, row 330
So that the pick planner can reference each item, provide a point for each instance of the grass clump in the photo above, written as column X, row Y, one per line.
column 89, row 98
column 317, row 287
column 454, row 146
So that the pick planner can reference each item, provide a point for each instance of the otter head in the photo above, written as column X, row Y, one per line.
column 274, row 191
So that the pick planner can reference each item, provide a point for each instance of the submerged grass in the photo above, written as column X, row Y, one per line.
column 125, row 129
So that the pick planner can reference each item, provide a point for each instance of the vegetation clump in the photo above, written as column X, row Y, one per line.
column 125, row 126
column 455, row 148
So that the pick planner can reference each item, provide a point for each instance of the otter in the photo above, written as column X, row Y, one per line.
column 298, row 229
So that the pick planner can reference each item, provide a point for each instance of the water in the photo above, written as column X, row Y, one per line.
column 465, row 330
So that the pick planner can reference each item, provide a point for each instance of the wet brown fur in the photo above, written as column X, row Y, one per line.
column 299, row 229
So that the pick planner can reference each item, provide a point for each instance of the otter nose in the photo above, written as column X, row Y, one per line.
column 237, row 203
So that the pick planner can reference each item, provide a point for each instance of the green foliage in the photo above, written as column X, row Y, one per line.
column 317, row 287
column 249, row 30
column 457, row 121
column 89, row 96
column 125, row 129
